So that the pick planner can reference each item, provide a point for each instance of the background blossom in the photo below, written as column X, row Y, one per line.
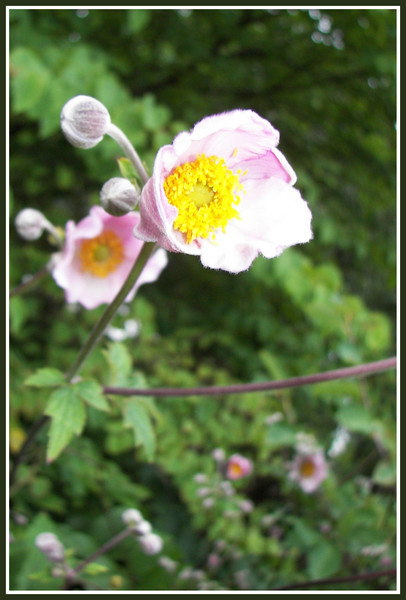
column 97, row 257
column 309, row 470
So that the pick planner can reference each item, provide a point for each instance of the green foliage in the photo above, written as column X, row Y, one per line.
column 68, row 414
column 326, row 79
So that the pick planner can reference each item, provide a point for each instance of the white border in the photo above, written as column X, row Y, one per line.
column 197, row 7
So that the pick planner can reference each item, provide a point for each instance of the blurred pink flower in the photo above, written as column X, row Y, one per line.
column 98, row 254
column 224, row 192
column 309, row 470
column 238, row 466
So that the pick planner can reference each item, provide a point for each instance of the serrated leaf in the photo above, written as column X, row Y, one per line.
column 68, row 415
column 136, row 417
column 92, row 393
column 46, row 377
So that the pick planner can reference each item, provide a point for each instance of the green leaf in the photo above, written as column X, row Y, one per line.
column 126, row 169
column 279, row 435
column 46, row 377
column 137, row 418
column 91, row 392
column 323, row 560
column 356, row 418
column 30, row 79
column 68, row 414
column 120, row 362
column 95, row 569
column 385, row 473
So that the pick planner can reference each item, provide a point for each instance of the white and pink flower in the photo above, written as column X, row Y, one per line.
column 97, row 257
column 309, row 470
column 238, row 466
column 224, row 192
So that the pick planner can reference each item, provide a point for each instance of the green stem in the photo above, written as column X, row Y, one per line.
column 111, row 309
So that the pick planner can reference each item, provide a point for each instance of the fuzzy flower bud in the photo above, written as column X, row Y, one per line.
column 84, row 121
column 151, row 543
column 132, row 517
column 49, row 545
column 118, row 196
column 142, row 528
column 30, row 223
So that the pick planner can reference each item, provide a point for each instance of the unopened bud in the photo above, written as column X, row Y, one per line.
column 84, row 121
column 151, row 543
column 132, row 517
column 49, row 545
column 118, row 196
column 218, row 454
column 30, row 223
column 142, row 528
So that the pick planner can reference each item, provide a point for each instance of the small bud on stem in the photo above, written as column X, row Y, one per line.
column 118, row 196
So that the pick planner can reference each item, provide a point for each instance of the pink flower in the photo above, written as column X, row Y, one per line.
column 224, row 192
column 309, row 470
column 238, row 466
column 98, row 255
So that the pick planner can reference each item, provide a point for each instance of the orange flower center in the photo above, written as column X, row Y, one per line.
column 307, row 468
column 234, row 469
column 101, row 255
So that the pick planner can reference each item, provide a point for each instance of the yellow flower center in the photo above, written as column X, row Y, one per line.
column 101, row 255
column 307, row 468
column 204, row 192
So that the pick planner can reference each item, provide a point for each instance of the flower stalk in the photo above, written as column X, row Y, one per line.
column 122, row 140
column 146, row 251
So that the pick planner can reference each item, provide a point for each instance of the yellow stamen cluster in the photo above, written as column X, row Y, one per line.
column 101, row 255
column 204, row 192
column 307, row 468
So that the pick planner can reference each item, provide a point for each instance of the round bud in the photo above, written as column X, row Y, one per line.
column 118, row 196
column 143, row 528
column 84, row 121
column 49, row 545
column 132, row 517
column 151, row 543
column 30, row 223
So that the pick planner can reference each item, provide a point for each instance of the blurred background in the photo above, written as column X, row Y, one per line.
column 326, row 79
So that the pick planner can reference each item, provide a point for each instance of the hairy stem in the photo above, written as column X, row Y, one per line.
column 123, row 141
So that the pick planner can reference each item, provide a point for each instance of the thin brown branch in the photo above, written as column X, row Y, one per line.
column 360, row 577
column 25, row 285
column 241, row 388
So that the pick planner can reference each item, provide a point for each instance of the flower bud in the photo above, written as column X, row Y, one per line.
column 132, row 517
column 151, row 543
column 84, row 121
column 118, row 196
column 30, row 223
column 142, row 528
column 218, row 454
column 49, row 545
